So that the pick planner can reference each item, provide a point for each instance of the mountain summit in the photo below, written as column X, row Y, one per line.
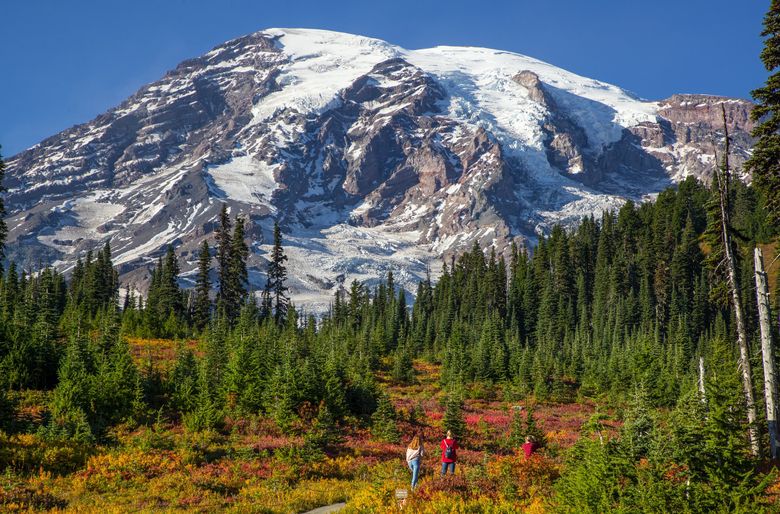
column 372, row 158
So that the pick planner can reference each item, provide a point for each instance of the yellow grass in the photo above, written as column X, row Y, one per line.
column 160, row 350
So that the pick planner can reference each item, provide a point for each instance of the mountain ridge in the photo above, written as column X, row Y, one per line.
column 373, row 158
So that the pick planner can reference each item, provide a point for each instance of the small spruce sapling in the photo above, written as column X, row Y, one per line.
column 383, row 420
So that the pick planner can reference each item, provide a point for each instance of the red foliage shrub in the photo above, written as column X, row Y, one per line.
column 270, row 442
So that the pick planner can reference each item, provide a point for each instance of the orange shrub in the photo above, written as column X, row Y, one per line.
column 108, row 471
column 526, row 477
column 442, row 501
column 27, row 452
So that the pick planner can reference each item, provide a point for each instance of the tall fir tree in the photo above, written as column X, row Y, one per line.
column 3, row 227
column 224, row 246
column 277, row 275
column 516, row 429
column 238, row 277
column 202, row 303
column 171, row 299
column 764, row 162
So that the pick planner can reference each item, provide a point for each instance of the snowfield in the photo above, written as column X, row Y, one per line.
column 244, row 179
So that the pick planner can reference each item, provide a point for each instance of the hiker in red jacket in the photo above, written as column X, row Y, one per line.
column 449, row 447
column 529, row 447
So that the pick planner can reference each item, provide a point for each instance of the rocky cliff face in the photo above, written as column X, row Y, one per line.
column 372, row 157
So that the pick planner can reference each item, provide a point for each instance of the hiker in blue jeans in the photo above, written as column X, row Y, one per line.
column 414, row 455
column 449, row 455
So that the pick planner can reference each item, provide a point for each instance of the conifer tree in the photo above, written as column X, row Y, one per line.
column 206, row 414
column 202, row 302
column 3, row 227
column 764, row 162
column 333, row 389
column 324, row 432
column 638, row 426
column 171, row 299
column 72, row 396
column 216, row 357
column 266, row 302
column 152, row 314
column 403, row 369
column 383, row 420
column 128, row 304
column 724, row 254
column 277, row 275
column 279, row 401
column 238, row 278
column 532, row 429
column 184, row 380
column 243, row 380
column 709, row 438
column 113, row 385
column 224, row 246
column 453, row 413
column 597, row 480
column 517, row 432
column 355, row 307
column 165, row 313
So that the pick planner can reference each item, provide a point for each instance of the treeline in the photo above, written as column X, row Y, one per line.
column 173, row 312
column 620, row 303
column 255, row 355
column 625, row 301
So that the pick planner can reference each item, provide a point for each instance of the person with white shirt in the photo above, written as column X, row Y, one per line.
column 414, row 455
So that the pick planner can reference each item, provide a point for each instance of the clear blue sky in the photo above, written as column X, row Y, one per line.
column 64, row 62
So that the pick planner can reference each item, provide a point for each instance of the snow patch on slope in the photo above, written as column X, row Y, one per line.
column 87, row 215
column 321, row 64
column 482, row 92
column 244, row 179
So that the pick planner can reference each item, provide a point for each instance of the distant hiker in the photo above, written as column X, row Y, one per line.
column 529, row 447
column 449, row 447
column 414, row 454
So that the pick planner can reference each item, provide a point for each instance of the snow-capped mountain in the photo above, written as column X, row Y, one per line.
column 372, row 157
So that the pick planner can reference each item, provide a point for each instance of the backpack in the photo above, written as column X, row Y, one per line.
column 449, row 451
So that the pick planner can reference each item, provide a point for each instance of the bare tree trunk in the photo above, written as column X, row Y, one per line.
column 733, row 283
column 701, row 381
column 767, row 351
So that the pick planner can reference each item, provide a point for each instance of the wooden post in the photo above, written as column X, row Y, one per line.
column 733, row 283
column 400, row 497
column 767, row 350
